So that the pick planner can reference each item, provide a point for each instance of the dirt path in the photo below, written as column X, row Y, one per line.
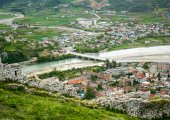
column 10, row 20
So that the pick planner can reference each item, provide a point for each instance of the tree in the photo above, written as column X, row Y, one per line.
column 99, row 87
column 107, row 63
column 93, row 78
column 90, row 93
column 115, row 83
column 145, row 66
column 153, row 91
column 159, row 76
column 15, row 57
column 113, row 64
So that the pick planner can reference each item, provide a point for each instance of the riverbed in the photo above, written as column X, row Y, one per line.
column 144, row 54
column 59, row 65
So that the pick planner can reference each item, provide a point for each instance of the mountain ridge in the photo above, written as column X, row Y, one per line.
column 118, row 5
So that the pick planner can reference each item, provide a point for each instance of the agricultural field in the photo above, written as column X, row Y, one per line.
column 52, row 17
column 6, row 16
column 5, row 27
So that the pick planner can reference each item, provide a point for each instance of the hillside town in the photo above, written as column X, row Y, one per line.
column 117, row 84
column 111, row 35
column 142, row 79
column 115, row 79
column 152, row 79
column 103, row 58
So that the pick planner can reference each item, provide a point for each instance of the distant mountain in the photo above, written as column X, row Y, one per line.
column 118, row 5
column 128, row 5
column 25, row 6
column 138, row 5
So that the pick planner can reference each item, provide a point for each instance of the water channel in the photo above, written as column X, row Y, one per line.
column 50, row 65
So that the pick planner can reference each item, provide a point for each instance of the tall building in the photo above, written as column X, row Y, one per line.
column 163, row 66
column 153, row 68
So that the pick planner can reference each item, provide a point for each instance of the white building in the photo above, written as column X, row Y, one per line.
column 86, row 22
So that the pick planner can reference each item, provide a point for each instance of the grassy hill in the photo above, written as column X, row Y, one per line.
column 40, row 106
column 119, row 5
column 138, row 5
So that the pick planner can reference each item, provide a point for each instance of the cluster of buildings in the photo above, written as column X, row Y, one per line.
column 71, row 40
column 120, row 81
column 87, row 22
column 133, row 31
column 117, row 34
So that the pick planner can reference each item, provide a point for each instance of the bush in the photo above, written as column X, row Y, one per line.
column 52, row 58
column 15, row 87
column 90, row 93
column 15, row 57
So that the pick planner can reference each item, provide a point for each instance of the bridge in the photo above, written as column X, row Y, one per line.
column 89, row 57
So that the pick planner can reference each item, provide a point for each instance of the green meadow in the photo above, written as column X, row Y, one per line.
column 19, row 105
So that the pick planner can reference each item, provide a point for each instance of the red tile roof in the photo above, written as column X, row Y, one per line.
column 163, row 92
column 140, row 75
column 132, row 70
column 99, row 94
column 152, row 95
column 74, row 81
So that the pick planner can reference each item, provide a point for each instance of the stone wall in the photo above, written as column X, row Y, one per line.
column 157, row 109
column 138, row 107
column 1, row 71
column 10, row 71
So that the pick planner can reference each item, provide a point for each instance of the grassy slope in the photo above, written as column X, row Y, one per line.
column 18, row 105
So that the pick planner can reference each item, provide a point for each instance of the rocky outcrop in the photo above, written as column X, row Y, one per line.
column 137, row 107
column 154, row 109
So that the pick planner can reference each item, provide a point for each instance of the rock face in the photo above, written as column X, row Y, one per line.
column 10, row 71
column 137, row 107
column 149, row 109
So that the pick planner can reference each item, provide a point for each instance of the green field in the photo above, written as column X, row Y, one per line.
column 6, row 16
column 51, row 17
column 38, row 34
column 4, row 27
column 23, row 106
column 139, row 17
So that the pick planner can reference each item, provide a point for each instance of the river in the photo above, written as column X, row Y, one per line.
column 145, row 54
column 58, row 65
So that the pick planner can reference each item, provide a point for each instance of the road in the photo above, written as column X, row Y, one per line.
column 98, row 17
